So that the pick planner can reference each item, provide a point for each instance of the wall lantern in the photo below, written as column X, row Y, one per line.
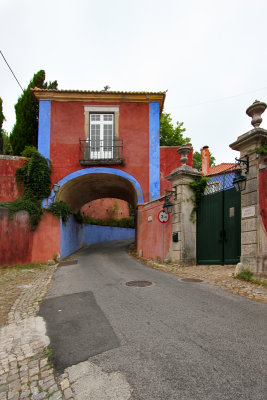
column 240, row 180
column 167, row 206
column 56, row 188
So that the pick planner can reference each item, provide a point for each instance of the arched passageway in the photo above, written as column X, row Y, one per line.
column 83, row 186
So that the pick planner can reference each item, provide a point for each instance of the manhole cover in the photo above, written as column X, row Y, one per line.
column 65, row 263
column 191, row 280
column 138, row 283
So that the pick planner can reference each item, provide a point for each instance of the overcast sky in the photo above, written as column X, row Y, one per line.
column 210, row 55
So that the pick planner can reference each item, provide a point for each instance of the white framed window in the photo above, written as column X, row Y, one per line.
column 101, row 133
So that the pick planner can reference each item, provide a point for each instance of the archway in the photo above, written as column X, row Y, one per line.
column 83, row 186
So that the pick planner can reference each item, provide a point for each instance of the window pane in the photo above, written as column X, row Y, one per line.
column 95, row 117
column 108, row 117
column 108, row 137
column 95, row 137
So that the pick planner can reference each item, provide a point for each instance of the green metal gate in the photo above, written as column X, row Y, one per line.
column 219, row 227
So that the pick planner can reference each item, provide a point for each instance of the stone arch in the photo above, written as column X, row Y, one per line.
column 85, row 185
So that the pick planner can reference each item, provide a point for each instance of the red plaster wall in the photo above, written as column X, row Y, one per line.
column 170, row 160
column 46, row 239
column 20, row 245
column 8, row 186
column 15, row 238
column 100, row 208
column 149, row 234
column 67, row 126
column 263, row 195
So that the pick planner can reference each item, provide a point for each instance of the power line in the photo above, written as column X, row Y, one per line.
column 11, row 69
column 220, row 99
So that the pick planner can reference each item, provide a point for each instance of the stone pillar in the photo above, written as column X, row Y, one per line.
column 253, row 231
column 183, row 252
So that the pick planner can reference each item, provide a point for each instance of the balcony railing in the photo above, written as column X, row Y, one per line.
column 100, row 151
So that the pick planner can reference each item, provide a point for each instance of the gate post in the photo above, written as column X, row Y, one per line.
column 254, row 197
column 183, row 252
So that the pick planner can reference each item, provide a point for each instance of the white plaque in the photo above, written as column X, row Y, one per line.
column 149, row 218
column 248, row 212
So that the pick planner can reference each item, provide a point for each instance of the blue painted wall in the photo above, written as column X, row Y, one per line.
column 44, row 128
column 74, row 235
column 154, row 149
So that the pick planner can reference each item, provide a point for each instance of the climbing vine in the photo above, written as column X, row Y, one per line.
column 33, row 207
column 34, row 177
column 198, row 186
column 262, row 150
column 60, row 209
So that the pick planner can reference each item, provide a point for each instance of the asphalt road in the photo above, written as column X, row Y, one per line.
column 171, row 340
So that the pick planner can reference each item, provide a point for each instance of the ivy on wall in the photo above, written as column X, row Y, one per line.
column 34, row 177
column 198, row 186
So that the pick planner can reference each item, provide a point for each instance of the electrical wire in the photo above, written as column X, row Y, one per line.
column 11, row 70
column 221, row 99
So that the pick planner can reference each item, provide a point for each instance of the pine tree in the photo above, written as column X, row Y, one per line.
column 25, row 131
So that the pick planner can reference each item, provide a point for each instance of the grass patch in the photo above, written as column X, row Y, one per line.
column 48, row 352
column 246, row 275
column 20, row 266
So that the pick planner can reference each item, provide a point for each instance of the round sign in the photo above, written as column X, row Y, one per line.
column 163, row 217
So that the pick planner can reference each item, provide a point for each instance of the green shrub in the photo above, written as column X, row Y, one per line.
column 34, row 209
column 78, row 217
column 121, row 223
column 60, row 209
column 34, row 175
column 245, row 275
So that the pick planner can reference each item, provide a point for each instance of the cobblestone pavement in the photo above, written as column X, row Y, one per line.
column 25, row 371
column 216, row 275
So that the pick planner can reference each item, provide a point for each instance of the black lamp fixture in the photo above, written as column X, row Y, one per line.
column 240, row 180
column 167, row 206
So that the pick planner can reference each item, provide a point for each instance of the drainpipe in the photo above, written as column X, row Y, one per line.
column 205, row 160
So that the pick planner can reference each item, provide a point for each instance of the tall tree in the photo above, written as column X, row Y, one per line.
column 171, row 135
column 197, row 160
column 25, row 131
column 7, row 148
column 2, row 119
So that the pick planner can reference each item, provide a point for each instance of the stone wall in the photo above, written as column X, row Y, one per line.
column 253, row 198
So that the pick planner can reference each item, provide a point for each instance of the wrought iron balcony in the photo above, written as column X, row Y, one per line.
column 100, row 151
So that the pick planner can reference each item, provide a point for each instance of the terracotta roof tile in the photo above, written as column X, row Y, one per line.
column 93, row 91
column 223, row 167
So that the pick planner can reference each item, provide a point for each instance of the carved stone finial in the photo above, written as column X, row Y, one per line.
column 255, row 111
column 184, row 151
